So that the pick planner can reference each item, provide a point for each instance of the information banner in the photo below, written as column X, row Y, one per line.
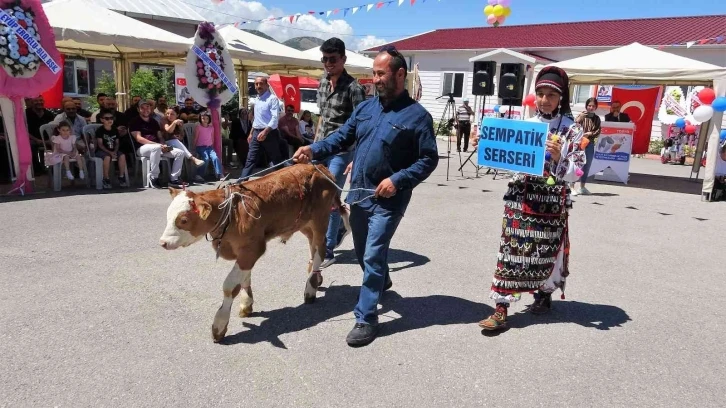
column 513, row 145
column 180, row 85
column 613, row 149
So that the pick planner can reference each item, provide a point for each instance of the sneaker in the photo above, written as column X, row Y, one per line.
column 197, row 162
column 81, row 175
column 327, row 262
column 154, row 182
column 122, row 182
column 176, row 183
column 69, row 175
column 199, row 179
column 584, row 191
column 362, row 334
column 107, row 184
column 342, row 233
column 574, row 192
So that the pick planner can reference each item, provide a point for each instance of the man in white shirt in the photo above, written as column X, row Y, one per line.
column 264, row 137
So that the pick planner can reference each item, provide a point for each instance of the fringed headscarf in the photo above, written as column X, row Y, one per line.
column 556, row 78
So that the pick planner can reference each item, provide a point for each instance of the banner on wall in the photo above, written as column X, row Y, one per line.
column 612, row 151
column 180, row 85
column 604, row 93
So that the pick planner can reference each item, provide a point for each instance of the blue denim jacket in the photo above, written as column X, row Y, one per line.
column 395, row 142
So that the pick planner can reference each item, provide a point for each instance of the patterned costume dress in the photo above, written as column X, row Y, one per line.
column 534, row 246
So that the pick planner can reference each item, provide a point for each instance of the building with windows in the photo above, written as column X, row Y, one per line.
column 81, row 75
column 444, row 56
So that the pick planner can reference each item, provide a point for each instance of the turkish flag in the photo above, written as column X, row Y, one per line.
column 54, row 95
column 290, row 88
column 639, row 105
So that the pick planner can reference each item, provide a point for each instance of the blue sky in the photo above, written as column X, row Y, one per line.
column 393, row 22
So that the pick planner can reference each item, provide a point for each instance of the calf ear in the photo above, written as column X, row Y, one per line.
column 174, row 192
column 204, row 209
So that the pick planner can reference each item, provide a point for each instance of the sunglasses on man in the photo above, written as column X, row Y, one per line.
column 332, row 60
column 392, row 51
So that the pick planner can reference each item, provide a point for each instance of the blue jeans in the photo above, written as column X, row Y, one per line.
column 208, row 153
column 589, row 155
column 336, row 164
column 372, row 228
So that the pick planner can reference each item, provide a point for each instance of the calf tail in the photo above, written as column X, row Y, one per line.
column 343, row 211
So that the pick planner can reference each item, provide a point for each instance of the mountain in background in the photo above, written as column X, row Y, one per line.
column 304, row 43
column 260, row 34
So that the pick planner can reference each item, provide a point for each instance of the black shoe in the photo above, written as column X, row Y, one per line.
column 362, row 334
column 176, row 183
column 154, row 182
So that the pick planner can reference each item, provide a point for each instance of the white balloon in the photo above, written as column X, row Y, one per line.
column 503, row 109
column 703, row 113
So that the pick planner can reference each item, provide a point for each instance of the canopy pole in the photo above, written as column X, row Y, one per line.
column 243, row 89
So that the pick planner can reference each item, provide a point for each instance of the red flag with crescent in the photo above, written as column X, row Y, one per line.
column 639, row 105
column 290, row 91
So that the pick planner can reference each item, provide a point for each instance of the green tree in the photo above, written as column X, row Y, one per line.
column 105, row 84
column 153, row 84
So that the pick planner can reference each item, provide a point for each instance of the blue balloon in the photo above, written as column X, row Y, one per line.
column 719, row 104
column 723, row 135
column 681, row 123
column 496, row 108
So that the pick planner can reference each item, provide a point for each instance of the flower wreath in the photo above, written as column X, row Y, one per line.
column 208, row 79
column 14, row 52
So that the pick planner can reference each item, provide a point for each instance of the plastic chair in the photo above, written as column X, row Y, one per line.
column 89, row 133
column 144, row 164
column 46, row 131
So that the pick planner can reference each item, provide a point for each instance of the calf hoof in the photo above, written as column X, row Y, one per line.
column 218, row 335
column 245, row 311
column 309, row 299
column 316, row 280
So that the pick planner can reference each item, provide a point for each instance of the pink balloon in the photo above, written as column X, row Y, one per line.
column 491, row 19
column 492, row 2
column 505, row 3
column 500, row 19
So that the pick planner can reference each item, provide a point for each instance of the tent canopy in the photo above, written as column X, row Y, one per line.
column 354, row 59
column 84, row 27
column 640, row 64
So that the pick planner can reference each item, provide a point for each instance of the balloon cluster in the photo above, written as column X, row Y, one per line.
column 501, row 109
column 497, row 11
column 528, row 101
column 703, row 113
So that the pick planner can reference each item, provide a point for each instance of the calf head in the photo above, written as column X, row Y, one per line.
column 187, row 219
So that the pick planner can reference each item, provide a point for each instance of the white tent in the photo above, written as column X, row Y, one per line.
column 640, row 64
column 97, row 31
column 353, row 58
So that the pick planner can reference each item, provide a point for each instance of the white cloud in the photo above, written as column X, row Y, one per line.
column 306, row 25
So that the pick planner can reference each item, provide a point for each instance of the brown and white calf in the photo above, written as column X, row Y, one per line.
column 295, row 198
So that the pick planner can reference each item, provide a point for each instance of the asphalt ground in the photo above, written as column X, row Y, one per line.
column 95, row 313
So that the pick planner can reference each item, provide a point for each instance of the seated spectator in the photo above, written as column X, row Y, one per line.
column 307, row 129
column 107, row 148
column 290, row 129
column 65, row 148
column 100, row 98
column 173, row 132
column 36, row 116
column 189, row 113
column 148, row 141
column 133, row 110
column 77, row 123
column 86, row 115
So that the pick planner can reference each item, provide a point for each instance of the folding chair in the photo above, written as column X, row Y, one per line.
column 144, row 164
column 89, row 133
column 46, row 131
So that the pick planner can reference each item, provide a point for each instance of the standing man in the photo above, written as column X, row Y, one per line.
column 264, row 138
column 338, row 95
column 615, row 115
column 463, row 125
column 396, row 150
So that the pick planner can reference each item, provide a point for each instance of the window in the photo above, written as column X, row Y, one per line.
column 75, row 77
column 309, row 95
column 453, row 83
column 582, row 92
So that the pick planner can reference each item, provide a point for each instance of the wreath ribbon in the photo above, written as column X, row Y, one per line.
column 33, row 45
column 214, row 67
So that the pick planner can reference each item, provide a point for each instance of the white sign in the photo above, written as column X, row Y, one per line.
column 180, row 85
column 612, row 151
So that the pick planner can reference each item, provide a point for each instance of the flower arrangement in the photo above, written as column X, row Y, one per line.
column 15, row 56
column 208, row 79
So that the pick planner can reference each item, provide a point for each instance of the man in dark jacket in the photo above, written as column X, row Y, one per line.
column 395, row 151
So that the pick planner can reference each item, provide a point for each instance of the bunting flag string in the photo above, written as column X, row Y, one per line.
column 336, row 12
column 718, row 39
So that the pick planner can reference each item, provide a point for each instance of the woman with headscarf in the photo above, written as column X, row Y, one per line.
column 534, row 245
column 590, row 123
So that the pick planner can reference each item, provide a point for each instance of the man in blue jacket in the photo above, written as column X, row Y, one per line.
column 395, row 151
